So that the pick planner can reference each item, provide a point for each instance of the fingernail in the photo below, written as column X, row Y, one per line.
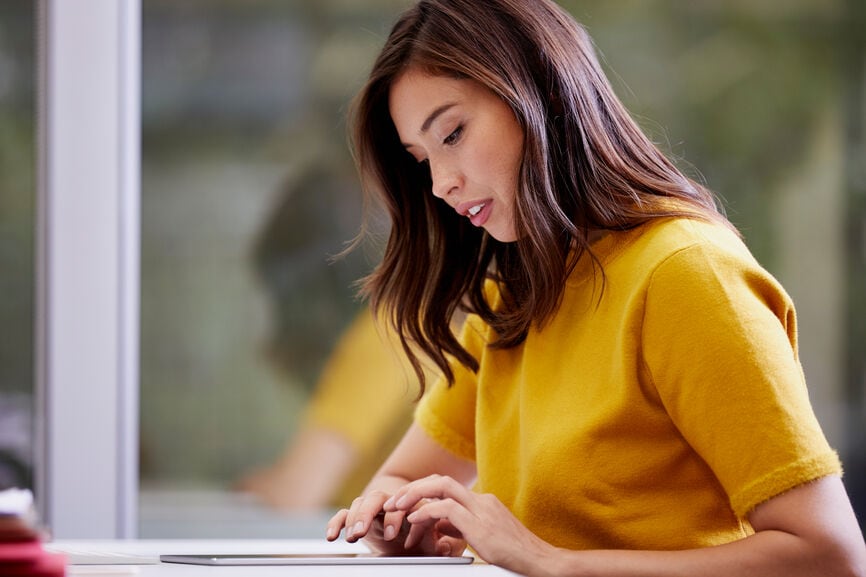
column 330, row 534
column 359, row 526
column 390, row 532
column 401, row 502
column 389, row 504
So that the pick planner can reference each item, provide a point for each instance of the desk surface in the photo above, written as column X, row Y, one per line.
column 153, row 548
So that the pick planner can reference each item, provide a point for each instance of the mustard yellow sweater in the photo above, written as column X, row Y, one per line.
column 661, row 404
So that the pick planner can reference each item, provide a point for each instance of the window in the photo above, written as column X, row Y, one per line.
column 247, row 189
column 17, row 252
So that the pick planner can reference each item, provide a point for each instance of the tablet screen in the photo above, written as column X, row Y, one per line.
column 311, row 559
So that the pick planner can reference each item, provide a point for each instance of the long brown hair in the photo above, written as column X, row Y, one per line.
column 586, row 167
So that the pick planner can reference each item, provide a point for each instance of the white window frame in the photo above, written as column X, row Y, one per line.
column 87, row 305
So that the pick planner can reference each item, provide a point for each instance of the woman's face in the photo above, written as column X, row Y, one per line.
column 471, row 140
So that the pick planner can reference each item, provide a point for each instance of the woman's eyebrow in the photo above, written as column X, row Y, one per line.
column 434, row 115
column 438, row 111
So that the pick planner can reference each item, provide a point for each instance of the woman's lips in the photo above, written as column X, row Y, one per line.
column 477, row 211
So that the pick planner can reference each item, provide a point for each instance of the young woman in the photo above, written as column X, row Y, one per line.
column 626, row 396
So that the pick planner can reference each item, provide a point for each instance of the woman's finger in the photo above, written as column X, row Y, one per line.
column 417, row 532
column 394, row 525
column 455, row 513
column 336, row 524
column 432, row 487
column 445, row 528
column 450, row 547
column 362, row 513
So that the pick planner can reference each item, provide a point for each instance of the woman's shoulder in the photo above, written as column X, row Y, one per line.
column 658, row 241
column 677, row 233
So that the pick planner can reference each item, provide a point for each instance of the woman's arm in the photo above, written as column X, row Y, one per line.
column 808, row 531
column 417, row 456
column 308, row 474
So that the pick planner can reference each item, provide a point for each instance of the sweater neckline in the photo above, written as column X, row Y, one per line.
column 605, row 250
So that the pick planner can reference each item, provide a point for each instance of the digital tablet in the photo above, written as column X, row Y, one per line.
column 312, row 559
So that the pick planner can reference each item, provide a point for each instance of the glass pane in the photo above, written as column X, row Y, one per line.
column 17, row 219
column 247, row 190
column 248, row 187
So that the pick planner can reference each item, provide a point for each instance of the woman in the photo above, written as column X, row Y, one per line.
column 626, row 397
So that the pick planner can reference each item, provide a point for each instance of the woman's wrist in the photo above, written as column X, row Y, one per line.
column 549, row 561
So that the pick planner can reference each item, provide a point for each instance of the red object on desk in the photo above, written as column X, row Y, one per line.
column 29, row 559
column 14, row 528
column 19, row 551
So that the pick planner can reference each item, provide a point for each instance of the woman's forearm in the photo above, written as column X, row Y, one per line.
column 809, row 531
column 767, row 554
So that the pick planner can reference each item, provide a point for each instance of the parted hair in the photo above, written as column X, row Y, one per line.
column 586, row 167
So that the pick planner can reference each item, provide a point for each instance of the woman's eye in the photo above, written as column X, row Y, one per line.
column 454, row 136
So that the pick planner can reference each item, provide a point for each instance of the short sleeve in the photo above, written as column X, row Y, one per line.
column 720, row 343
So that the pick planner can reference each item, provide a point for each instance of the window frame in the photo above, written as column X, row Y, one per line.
column 87, row 273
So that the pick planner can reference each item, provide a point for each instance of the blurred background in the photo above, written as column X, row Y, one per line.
column 248, row 188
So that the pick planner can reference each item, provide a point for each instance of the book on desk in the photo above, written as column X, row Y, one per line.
column 21, row 550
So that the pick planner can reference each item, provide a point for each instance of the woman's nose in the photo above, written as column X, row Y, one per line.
column 444, row 178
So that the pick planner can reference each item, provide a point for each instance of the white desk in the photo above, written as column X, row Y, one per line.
column 154, row 548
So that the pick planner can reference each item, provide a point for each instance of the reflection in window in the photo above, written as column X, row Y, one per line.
column 247, row 189
column 17, row 218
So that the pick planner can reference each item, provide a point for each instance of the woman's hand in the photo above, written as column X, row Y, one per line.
column 455, row 512
column 366, row 519
column 389, row 533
